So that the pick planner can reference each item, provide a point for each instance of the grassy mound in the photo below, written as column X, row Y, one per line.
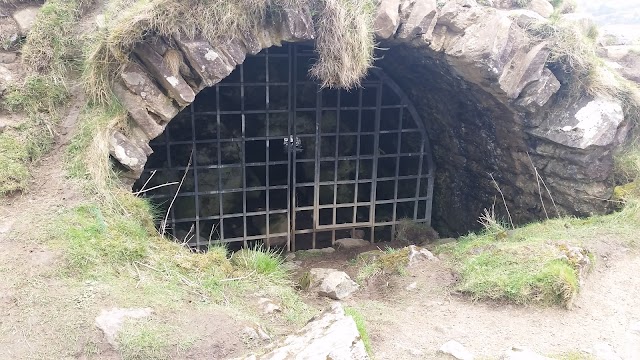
column 530, row 264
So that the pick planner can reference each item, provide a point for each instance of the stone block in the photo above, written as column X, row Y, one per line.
column 136, row 107
column 298, row 24
column 174, row 84
column 209, row 64
column 127, row 153
column 538, row 93
column 387, row 19
column 140, row 83
column 418, row 19
column 25, row 18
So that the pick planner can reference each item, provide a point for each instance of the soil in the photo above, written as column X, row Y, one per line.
column 413, row 324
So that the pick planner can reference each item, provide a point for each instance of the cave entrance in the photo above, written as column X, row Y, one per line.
column 269, row 157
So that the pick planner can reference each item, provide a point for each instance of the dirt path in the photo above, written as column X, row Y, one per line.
column 413, row 324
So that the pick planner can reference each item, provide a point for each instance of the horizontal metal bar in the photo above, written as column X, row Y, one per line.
column 229, row 216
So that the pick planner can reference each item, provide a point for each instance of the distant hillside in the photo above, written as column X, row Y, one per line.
column 607, row 12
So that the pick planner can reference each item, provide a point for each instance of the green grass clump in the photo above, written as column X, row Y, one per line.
column 92, row 239
column 517, row 271
column 144, row 341
column 262, row 262
column 51, row 46
column 14, row 156
column 361, row 324
column 526, row 265
column 37, row 94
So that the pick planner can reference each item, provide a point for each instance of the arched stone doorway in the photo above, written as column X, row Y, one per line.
column 499, row 120
column 268, row 156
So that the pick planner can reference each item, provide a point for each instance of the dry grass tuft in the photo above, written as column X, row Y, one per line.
column 345, row 40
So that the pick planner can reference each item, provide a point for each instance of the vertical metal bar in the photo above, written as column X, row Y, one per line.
column 267, row 132
column 419, row 179
column 194, row 161
column 243, row 158
column 395, row 181
column 291, row 172
column 219, row 165
column 316, row 186
column 172, row 216
column 318, row 129
column 355, row 194
column 335, row 168
column 374, row 177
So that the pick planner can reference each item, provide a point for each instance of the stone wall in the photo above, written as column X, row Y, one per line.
column 493, row 108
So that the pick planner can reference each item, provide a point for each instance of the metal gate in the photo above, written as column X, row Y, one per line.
column 267, row 156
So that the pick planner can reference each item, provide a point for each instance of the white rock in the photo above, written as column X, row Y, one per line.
column 111, row 321
column 26, row 18
column 331, row 283
column 337, row 285
column 599, row 120
column 101, row 21
column 417, row 254
column 517, row 353
column 456, row 350
column 603, row 351
column 351, row 243
column 331, row 335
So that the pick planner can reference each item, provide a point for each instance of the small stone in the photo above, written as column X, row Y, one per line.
column 101, row 21
column 268, row 306
column 350, row 243
column 111, row 321
column 412, row 286
column 255, row 333
column 417, row 254
column 25, row 18
column 456, row 350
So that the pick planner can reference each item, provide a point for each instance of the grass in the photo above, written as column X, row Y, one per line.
column 361, row 324
column 345, row 40
column 527, row 265
column 379, row 262
column 51, row 46
column 144, row 340
column 49, row 51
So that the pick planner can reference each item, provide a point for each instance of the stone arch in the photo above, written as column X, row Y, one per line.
column 496, row 119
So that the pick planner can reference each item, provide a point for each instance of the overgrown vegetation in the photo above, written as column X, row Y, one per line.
column 50, row 51
column 344, row 42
